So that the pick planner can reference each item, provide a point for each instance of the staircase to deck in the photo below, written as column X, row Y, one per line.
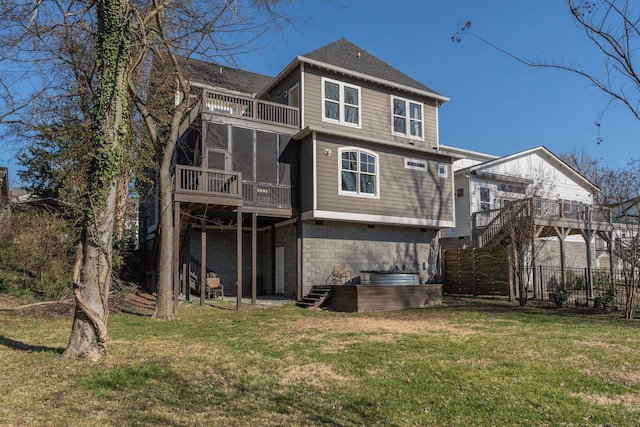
column 511, row 214
column 316, row 297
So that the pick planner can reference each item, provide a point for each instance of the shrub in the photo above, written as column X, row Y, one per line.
column 37, row 254
column 560, row 295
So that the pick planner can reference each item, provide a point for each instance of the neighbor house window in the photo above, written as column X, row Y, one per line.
column 358, row 173
column 406, row 118
column 485, row 199
column 341, row 102
column 442, row 171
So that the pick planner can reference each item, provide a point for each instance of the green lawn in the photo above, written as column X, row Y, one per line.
column 460, row 364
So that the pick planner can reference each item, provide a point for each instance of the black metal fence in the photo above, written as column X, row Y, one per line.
column 548, row 281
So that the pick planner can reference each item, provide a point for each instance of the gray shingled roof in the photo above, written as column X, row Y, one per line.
column 342, row 53
column 226, row 77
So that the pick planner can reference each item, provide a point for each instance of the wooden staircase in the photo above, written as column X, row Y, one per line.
column 316, row 297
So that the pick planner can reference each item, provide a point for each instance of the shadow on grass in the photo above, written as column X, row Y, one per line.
column 533, row 307
column 151, row 393
column 18, row 345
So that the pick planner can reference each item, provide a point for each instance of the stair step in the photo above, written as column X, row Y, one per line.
column 304, row 304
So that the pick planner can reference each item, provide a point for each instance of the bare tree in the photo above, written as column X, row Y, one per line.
column 74, row 53
column 166, row 34
column 613, row 26
column 92, row 271
column 624, row 199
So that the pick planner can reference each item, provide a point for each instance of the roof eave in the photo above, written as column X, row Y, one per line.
column 341, row 70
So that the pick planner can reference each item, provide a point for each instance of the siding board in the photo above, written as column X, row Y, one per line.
column 375, row 109
column 403, row 192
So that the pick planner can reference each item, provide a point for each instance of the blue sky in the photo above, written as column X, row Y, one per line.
column 497, row 105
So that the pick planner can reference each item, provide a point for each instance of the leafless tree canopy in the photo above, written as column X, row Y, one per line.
column 613, row 26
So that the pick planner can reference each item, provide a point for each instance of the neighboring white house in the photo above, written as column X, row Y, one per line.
column 483, row 182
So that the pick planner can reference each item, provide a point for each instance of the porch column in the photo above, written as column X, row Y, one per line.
column 176, row 256
column 239, row 258
column 299, row 260
column 587, row 235
column 187, row 265
column 203, row 260
column 611, row 270
column 254, row 256
column 562, row 234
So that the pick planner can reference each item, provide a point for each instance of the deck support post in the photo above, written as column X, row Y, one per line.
column 254, row 257
column 562, row 234
column 239, row 258
column 587, row 235
column 611, row 270
column 299, row 260
column 203, row 260
column 187, row 266
column 176, row 256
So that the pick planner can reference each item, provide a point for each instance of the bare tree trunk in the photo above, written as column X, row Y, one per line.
column 164, row 307
column 92, row 270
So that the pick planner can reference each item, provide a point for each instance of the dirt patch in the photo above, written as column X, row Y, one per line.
column 380, row 325
column 631, row 401
column 317, row 375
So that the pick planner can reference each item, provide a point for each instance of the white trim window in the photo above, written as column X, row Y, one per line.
column 407, row 118
column 358, row 173
column 416, row 164
column 442, row 170
column 340, row 103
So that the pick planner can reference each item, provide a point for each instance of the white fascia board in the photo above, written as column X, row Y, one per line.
column 377, row 219
column 359, row 137
column 377, row 80
column 346, row 71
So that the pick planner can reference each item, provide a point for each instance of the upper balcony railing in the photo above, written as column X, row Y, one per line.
column 250, row 108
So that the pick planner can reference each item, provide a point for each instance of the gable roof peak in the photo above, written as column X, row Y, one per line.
column 345, row 55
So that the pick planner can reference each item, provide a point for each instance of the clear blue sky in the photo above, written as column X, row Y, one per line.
column 497, row 105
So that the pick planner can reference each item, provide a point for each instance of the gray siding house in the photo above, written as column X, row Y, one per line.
column 336, row 160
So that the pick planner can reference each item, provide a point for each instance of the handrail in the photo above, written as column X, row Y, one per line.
column 208, row 181
column 250, row 108
column 540, row 208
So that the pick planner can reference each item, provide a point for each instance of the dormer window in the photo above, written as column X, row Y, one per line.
column 406, row 118
column 341, row 103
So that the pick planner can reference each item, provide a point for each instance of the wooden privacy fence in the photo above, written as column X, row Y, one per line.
column 483, row 271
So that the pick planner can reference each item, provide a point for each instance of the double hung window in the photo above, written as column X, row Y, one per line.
column 358, row 173
column 407, row 118
column 485, row 199
column 341, row 103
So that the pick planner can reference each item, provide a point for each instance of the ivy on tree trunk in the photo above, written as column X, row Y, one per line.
column 92, row 272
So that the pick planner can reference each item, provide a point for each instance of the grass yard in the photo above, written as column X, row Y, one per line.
column 461, row 364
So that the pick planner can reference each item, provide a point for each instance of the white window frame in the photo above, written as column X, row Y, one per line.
column 341, row 103
column 290, row 99
column 442, row 170
column 416, row 164
column 357, row 193
column 408, row 119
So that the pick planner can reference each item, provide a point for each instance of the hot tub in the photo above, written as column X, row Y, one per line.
column 389, row 278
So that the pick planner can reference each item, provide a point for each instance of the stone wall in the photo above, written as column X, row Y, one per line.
column 363, row 247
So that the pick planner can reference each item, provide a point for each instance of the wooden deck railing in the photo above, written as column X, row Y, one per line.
column 266, row 194
column 250, row 108
column 488, row 224
column 212, row 182
column 207, row 181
